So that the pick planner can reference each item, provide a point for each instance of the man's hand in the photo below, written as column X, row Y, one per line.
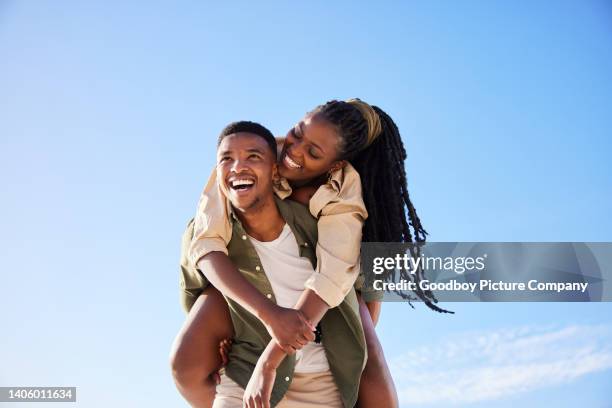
column 259, row 389
column 224, row 348
column 289, row 328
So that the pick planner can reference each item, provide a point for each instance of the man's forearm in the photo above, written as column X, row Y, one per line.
column 219, row 270
column 313, row 308
column 272, row 356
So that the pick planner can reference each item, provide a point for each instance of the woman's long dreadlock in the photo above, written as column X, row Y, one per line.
column 391, row 214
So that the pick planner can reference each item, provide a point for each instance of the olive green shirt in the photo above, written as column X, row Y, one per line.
column 342, row 333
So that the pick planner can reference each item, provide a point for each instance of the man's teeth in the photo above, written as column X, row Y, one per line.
column 291, row 163
column 239, row 183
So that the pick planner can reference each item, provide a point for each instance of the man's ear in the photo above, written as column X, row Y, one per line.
column 274, row 171
column 338, row 165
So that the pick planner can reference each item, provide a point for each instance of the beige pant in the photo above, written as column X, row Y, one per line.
column 316, row 390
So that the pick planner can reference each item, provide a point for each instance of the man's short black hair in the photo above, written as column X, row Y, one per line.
column 249, row 127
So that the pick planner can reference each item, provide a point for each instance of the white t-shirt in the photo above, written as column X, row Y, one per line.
column 287, row 272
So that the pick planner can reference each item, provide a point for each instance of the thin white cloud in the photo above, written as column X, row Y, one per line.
column 491, row 365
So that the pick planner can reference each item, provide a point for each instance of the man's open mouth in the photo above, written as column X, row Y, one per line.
column 241, row 184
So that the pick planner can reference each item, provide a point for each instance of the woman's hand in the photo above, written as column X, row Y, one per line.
column 289, row 328
column 259, row 389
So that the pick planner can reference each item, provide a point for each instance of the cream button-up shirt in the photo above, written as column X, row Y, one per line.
column 338, row 205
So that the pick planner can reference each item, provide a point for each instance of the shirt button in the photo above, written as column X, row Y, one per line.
column 244, row 237
column 257, row 268
column 269, row 295
column 286, row 378
column 305, row 243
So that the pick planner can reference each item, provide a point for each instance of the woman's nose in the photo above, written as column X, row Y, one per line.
column 296, row 150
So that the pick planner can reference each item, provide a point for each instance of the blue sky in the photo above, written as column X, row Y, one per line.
column 108, row 117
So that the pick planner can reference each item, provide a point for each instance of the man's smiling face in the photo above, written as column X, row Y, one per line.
column 245, row 169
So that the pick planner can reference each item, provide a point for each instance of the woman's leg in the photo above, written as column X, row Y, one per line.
column 195, row 354
column 376, row 388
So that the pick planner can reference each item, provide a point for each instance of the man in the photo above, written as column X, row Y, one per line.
column 273, row 245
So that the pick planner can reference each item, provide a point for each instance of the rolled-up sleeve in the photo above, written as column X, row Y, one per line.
column 340, row 210
column 191, row 281
column 211, row 230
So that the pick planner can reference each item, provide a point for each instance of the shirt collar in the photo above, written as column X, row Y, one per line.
column 286, row 212
column 283, row 208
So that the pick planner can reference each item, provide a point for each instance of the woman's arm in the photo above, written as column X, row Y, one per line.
column 340, row 210
column 208, row 252
column 288, row 327
column 303, row 195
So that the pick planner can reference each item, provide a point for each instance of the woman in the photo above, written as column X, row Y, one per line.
column 314, row 161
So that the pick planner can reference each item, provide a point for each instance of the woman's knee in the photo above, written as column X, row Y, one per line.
column 185, row 373
column 190, row 367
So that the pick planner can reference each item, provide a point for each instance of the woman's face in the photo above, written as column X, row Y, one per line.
column 310, row 150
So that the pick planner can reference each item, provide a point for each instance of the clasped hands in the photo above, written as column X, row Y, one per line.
column 289, row 328
column 290, row 331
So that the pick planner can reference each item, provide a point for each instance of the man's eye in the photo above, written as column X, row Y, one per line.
column 224, row 159
column 254, row 156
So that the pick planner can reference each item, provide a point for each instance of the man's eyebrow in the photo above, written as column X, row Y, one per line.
column 250, row 150
column 300, row 126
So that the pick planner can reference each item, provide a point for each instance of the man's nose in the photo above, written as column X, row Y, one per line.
column 239, row 166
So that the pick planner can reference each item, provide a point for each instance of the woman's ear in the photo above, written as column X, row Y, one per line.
column 338, row 165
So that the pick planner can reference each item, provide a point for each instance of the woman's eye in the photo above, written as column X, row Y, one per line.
column 313, row 154
column 253, row 156
column 224, row 159
column 295, row 134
